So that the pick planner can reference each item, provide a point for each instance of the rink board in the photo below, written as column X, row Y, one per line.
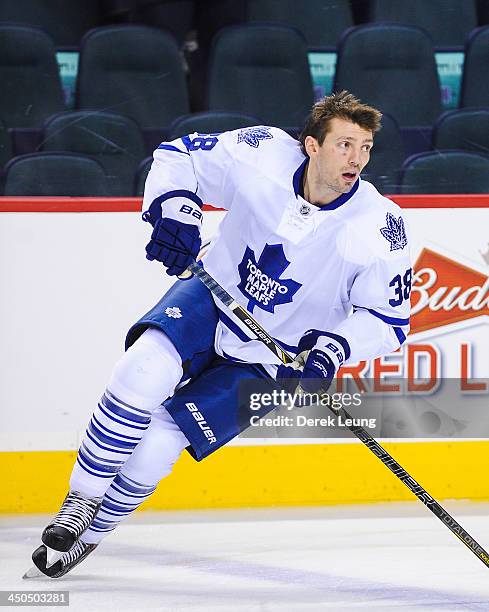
column 272, row 475
column 73, row 280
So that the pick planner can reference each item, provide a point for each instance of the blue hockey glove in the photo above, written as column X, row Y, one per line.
column 318, row 358
column 175, row 244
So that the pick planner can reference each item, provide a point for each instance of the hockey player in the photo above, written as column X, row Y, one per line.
column 315, row 253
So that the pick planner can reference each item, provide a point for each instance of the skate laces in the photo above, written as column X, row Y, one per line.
column 77, row 512
column 75, row 552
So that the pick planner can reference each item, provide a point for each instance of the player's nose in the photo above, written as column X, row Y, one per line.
column 354, row 158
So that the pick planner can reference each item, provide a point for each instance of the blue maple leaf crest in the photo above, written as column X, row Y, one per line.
column 261, row 282
column 253, row 135
column 394, row 232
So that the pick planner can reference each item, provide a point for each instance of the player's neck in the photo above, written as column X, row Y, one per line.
column 318, row 195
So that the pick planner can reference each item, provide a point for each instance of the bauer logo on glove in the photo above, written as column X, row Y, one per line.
column 319, row 356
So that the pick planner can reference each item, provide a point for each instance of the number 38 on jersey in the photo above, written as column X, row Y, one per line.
column 401, row 286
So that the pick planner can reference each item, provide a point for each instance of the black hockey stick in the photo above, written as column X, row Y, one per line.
column 244, row 316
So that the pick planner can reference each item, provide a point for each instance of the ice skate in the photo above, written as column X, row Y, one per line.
column 63, row 565
column 74, row 517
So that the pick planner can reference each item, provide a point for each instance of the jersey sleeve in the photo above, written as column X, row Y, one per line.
column 186, row 173
column 380, row 297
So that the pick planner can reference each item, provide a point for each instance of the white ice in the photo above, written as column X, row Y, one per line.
column 376, row 557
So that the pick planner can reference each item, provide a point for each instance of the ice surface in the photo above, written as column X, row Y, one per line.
column 377, row 557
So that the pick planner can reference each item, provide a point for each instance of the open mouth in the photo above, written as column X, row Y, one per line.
column 349, row 176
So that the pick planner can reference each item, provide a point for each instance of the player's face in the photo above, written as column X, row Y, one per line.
column 335, row 165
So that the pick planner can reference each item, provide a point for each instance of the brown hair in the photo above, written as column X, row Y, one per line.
column 343, row 105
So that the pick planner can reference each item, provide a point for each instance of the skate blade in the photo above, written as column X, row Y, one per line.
column 33, row 572
column 52, row 556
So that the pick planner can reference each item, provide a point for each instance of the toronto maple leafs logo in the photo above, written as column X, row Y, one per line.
column 394, row 232
column 253, row 135
column 173, row 312
column 261, row 282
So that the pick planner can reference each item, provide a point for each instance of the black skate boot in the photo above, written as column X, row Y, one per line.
column 65, row 563
column 74, row 517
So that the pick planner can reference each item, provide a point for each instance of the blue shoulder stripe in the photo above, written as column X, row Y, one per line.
column 389, row 320
column 169, row 147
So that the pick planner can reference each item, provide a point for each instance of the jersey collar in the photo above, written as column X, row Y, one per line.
column 342, row 199
column 298, row 184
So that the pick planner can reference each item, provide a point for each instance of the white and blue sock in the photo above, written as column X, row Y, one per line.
column 152, row 460
column 144, row 377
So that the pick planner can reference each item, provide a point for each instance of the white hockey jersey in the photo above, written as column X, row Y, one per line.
column 341, row 268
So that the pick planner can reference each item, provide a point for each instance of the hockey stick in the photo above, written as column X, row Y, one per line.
column 244, row 316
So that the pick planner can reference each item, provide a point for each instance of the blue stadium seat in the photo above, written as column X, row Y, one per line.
column 261, row 70
column 475, row 84
column 386, row 157
column 466, row 129
column 55, row 174
column 5, row 145
column 141, row 174
column 133, row 70
column 393, row 68
column 445, row 172
column 112, row 139
column 210, row 122
column 64, row 21
column 320, row 21
column 448, row 22
column 31, row 87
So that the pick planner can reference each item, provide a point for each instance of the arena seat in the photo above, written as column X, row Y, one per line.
column 65, row 22
column 475, row 85
column 393, row 68
column 386, row 157
column 133, row 70
column 29, row 75
column 448, row 22
column 320, row 21
column 55, row 174
column 445, row 172
column 112, row 139
column 466, row 129
column 5, row 145
column 141, row 174
column 210, row 122
column 261, row 70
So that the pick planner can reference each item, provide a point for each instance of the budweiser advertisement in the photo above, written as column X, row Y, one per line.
column 441, row 373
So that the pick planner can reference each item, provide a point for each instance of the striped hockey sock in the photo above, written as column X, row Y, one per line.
column 122, row 497
column 112, row 434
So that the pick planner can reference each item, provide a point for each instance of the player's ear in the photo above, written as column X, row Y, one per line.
column 311, row 145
